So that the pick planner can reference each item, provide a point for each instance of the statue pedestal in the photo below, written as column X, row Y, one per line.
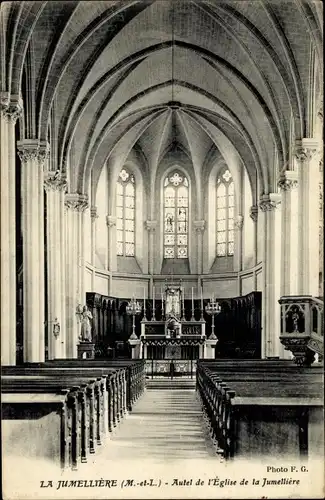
column 210, row 346
column 135, row 344
column 86, row 350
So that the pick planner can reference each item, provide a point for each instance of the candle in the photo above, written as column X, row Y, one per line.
column 192, row 301
column 201, row 298
column 153, row 297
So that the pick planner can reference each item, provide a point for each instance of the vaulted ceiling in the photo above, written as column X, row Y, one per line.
column 101, row 78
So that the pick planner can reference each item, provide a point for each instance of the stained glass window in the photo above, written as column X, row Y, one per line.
column 176, row 216
column 225, row 214
column 125, row 214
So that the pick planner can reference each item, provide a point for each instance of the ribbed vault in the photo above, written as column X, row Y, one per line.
column 209, row 77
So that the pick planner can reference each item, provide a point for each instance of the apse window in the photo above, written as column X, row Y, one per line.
column 125, row 214
column 225, row 214
column 176, row 216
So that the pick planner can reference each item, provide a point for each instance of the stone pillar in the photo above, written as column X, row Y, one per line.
column 111, row 233
column 199, row 226
column 10, row 112
column 151, row 226
column 308, row 216
column 289, row 265
column 253, row 213
column 94, row 217
column 76, row 204
column 238, row 257
column 32, row 158
column 270, row 208
column 55, row 186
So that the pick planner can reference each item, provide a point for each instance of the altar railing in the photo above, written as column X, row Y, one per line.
column 302, row 327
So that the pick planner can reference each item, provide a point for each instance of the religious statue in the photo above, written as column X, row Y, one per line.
column 85, row 334
column 295, row 319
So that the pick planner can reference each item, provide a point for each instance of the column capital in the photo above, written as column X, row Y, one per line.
column 77, row 202
column 288, row 180
column 239, row 222
column 93, row 213
column 53, row 181
column 12, row 108
column 253, row 212
column 199, row 225
column 110, row 220
column 43, row 152
column 269, row 202
column 28, row 150
column 4, row 100
column 32, row 149
column 150, row 225
column 306, row 149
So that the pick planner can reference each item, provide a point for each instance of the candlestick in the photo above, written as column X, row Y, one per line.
column 144, row 304
column 153, row 305
column 183, row 308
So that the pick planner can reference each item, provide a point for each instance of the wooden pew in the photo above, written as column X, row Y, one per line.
column 109, row 407
column 54, row 406
column 98, row 395
column 239, row 404
column 96, row 405
column 135, row 372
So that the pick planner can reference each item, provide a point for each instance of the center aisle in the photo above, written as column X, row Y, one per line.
column 165, row 425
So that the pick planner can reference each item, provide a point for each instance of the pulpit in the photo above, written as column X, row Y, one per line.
column 86, row 350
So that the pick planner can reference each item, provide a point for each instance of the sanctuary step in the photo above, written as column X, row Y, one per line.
column 170, row 384
column 165, row 425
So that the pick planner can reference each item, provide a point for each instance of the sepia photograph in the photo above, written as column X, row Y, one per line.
column 162, row 329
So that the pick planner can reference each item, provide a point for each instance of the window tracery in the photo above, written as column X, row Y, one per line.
column 176, row 208
column 225, row 214
column 125, row 214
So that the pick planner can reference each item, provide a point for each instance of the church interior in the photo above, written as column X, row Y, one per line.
column 161, row 228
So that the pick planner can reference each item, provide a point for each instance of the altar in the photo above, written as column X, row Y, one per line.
column 172, row 336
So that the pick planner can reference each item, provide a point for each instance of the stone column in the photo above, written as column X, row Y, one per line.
column 289, row 265
column 111, row 233
column 10, row 112
column 253, row 213
column 199, row 226
column 270, row 208
column 55, row 186
column 94, row 217
column 151, row 226
column 32, row 159
column 75, row 204
column 238, row 257
column 308, row 216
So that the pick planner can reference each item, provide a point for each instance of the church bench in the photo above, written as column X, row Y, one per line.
column 89, row 406
column 117, row 380
column 85, row 409
column 42, row 415
column 135, row 372
column 111, row 396
column 96, row 402
column 238, row 411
